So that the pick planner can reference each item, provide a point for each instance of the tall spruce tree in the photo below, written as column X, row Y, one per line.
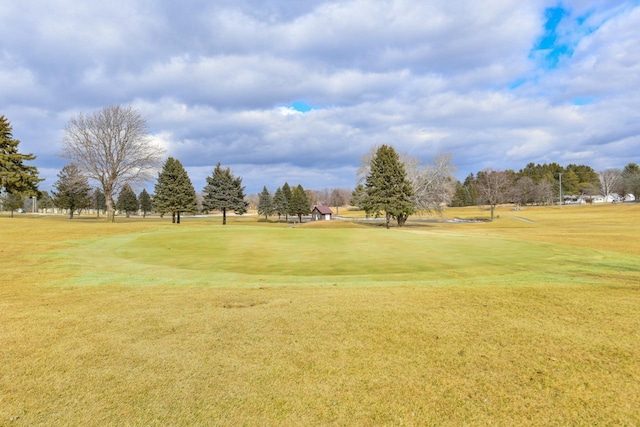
column 174, row 192
column 73, row 190
column 357, row 196
column 127, row 200
column 299, row 202
column 16, row 178
column 145, row 202
column 224, row 192
column 286, row 191
column 280, row 205
column 265, row 203
column 387, row 188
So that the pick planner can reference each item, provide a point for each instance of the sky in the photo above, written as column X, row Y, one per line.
column 298, row 91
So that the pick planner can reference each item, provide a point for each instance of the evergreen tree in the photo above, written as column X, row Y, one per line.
column 280, row 205
column 459, row 196
column 224, row 192
column 12, row 202
column 299, row 202
column 145, row 202
column 174, row 191
column 16, row 178
column 387, row 188
column 286, row 191
column 73, row 190
column 265, row 204
column 99, row 201
column 45, row 201
column 470, row 190
column 358, row 195
column 570, row 182
column 127, row 200
column 587, row 176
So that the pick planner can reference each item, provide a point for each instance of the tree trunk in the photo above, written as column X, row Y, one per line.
column 173, row 217
column 110, row 210
column 178, row 217
column 300, row 218
column 492, row 208
column 388, row 219
column 402, row 219
column 70, row 213
column 224, row 216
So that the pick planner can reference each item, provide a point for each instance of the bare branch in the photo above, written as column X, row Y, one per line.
column 113, row 148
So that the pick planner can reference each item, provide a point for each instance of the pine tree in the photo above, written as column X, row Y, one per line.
column 299, row 202
column 16, row 178
column 12, row 202
column 265, row 204
column 73, row 190
column 358, row 195
column 387, row 188
column 127, row 200
column 174, row 191
column 286, row 191
column 280, row 205
column 224, row 192
column 145, row 202
column 45, row 201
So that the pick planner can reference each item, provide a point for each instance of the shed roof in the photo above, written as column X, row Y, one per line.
column 324, row 210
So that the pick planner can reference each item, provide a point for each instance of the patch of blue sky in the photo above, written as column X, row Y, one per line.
column 517, row 83
column 583, row 100
column 302, row 106
column 551, row 45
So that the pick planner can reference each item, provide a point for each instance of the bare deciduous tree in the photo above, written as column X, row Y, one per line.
column 609, row 179
column 523, row 191
column 543, row 193
column 492, row 187
column 112, row 147
column 433, row 185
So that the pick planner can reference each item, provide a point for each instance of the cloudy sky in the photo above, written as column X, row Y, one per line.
column 299, row 90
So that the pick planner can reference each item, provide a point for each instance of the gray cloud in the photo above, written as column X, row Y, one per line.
column 216, row 79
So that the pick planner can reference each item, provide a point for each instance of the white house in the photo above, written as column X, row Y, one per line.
column 612, row 198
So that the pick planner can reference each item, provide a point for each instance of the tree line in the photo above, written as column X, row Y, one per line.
column 545, row 184
column 111, row 147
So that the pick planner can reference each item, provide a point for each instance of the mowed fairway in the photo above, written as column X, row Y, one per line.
column 533, row 319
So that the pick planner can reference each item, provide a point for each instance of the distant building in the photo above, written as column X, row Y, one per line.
column 321, row 213
column 613, row 198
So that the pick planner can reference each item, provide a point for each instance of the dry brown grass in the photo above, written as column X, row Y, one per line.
column 530, row 352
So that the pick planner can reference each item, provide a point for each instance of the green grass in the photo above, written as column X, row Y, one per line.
column 144, row 323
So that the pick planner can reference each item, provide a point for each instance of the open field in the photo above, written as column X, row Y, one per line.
column 533, row 319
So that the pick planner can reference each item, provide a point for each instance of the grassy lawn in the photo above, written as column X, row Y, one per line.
column 530, row 320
